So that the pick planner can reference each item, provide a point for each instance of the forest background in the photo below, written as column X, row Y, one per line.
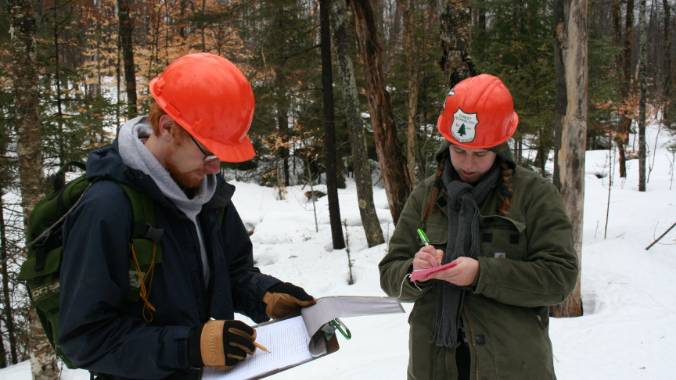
column 72, row 71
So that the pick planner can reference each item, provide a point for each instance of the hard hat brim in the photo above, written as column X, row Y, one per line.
column 244, row 151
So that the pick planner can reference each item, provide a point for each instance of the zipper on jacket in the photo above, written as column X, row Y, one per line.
column 473, row 357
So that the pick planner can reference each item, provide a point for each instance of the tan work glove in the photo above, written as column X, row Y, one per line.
column 285, row 299
column 221, row 344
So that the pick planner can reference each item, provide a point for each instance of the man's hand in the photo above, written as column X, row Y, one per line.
column 285, row 299
column 221, row 344
column 463, row 274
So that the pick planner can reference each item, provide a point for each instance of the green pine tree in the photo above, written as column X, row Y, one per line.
column 462, row 131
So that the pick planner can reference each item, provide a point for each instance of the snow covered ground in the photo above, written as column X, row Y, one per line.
column 629, row 326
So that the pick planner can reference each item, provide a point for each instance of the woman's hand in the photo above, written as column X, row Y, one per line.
column 462, row 274
column 427, row 257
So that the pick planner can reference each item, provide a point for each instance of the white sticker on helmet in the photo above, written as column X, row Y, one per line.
column 464, row 126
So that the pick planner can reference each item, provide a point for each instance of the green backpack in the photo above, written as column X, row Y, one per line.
column 41, row 269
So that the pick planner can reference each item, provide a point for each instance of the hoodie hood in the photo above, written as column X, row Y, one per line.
column 107, row 163
column 135, row 155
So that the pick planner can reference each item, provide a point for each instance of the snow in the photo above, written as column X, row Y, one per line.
column 629, row 326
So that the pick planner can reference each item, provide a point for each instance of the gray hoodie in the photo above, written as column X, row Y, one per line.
column 135, row 155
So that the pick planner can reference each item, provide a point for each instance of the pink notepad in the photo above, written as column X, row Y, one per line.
column 423, row 274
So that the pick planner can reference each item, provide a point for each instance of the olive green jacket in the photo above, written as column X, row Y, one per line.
column 527, row 262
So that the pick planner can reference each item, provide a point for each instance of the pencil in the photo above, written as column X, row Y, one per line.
column 423, row 236
column 261, row 347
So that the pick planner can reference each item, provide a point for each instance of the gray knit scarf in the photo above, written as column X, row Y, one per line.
column 463, row 201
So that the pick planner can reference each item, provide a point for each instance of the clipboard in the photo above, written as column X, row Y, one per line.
column 299, row 339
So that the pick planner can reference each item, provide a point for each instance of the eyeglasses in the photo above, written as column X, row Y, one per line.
column 208, row 156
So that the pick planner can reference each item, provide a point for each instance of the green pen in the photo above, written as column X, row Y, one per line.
column 423, row 237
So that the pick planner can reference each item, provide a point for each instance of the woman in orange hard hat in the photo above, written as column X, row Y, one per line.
column 502, row 231
column 203, row 270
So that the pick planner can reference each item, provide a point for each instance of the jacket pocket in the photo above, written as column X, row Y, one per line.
column 503, row 237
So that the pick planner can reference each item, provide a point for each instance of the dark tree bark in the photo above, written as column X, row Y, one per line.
column 360, row 160
column 571, row 156
column 456, row 26
column 329, row 126
column 281, row 103
column 667, row 67
column 561, row 100
column 622, row 137
column 410, row 46
column 203, row 26
column 118, row 80
column 641, row 105
column 24, row 72
column 126, row 29
column 388, row 147
column 57, row 80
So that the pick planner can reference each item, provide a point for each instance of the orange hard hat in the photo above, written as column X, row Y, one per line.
column 478, row 113
column 211, row 99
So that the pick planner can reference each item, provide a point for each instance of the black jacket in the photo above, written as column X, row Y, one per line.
column 105, row 333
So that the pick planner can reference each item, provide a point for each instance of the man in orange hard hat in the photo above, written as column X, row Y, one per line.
column 182, row 318
column 502, row 231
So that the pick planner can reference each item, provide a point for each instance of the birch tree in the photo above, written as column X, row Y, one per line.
column 24, row 72
column 360, row 160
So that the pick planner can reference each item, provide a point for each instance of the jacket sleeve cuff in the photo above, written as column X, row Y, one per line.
column 194, row 350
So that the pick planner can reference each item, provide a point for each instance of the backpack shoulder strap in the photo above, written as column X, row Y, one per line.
column 145, row 248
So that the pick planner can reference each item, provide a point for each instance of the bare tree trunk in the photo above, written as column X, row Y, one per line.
column 118, row 80
column 641, row 106
column 98, row 58
column 622, row 137
column 126, row 29
column 542, row 152
column 329, row 125
column 57, row 79
column 24, row 71
column 392, row 24
column 666, row 113
column 282, row 106
column 572, row 154
column 155, row 25
column 6, row 297
column 388, row 148
column 456, row 26
column 410, row 46
column 561, row 101
column 360, row 160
